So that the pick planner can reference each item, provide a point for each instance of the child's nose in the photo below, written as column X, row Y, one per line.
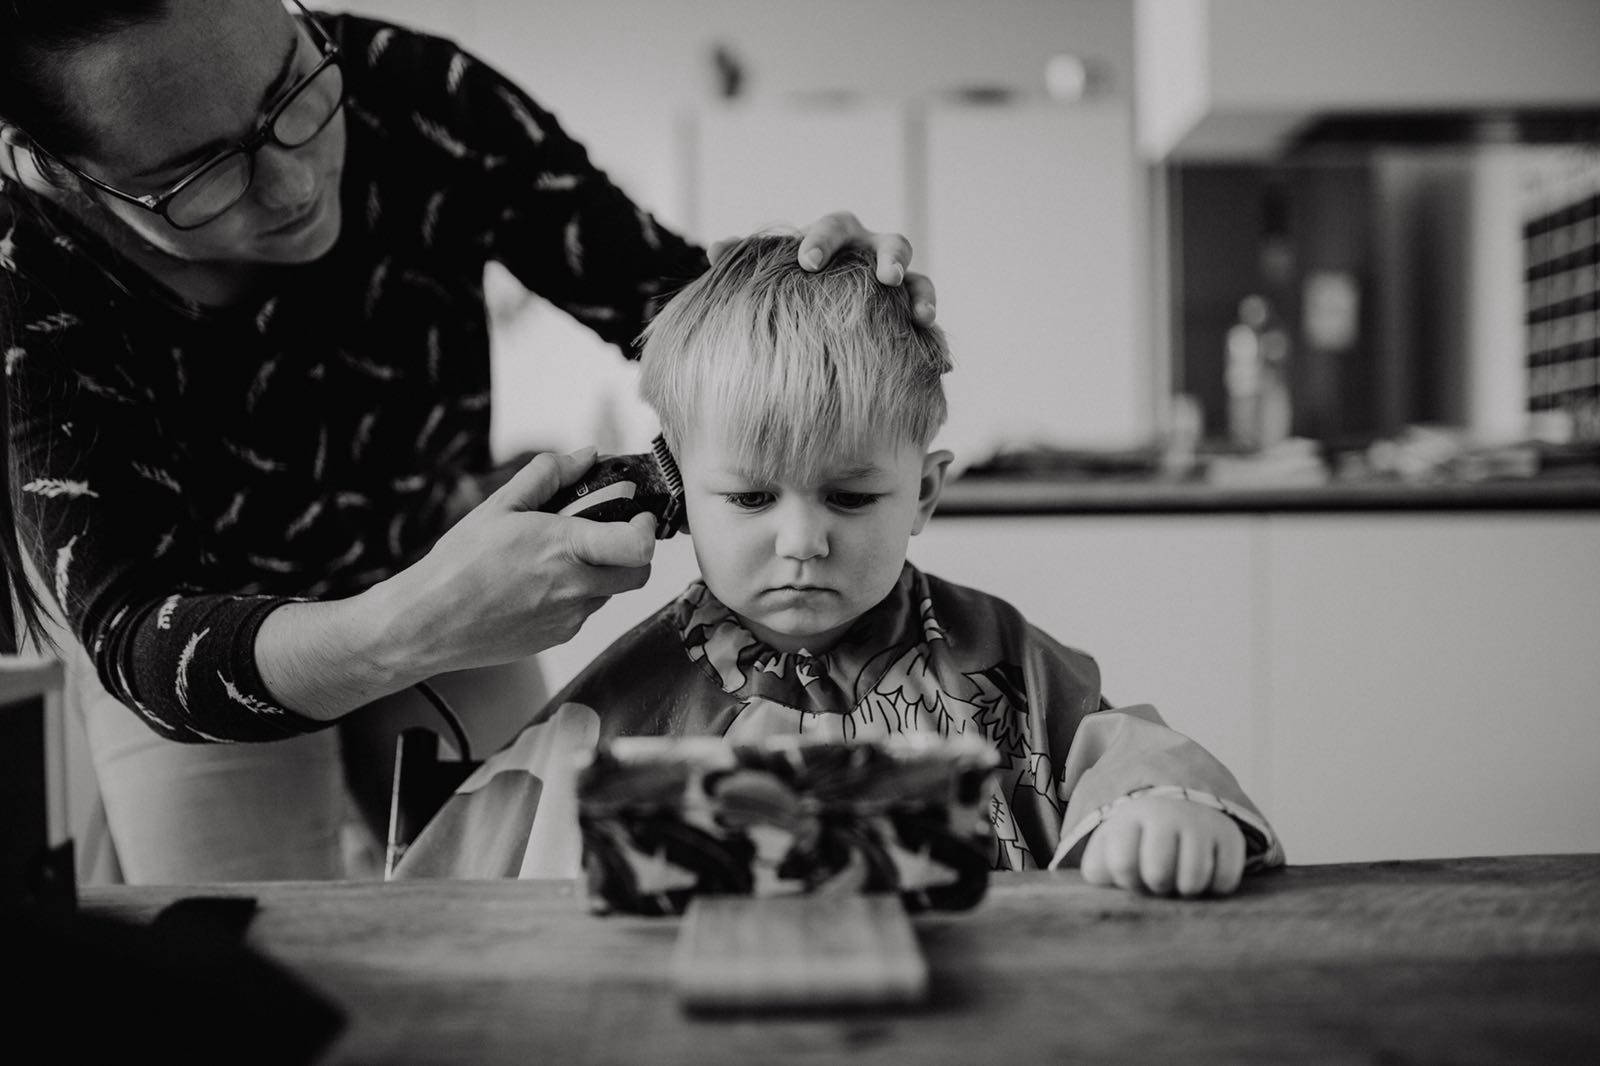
column 802, row 534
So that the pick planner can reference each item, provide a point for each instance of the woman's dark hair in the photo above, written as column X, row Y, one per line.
column 34, row 34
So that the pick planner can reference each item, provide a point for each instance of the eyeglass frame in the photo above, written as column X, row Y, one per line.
column 247, row 147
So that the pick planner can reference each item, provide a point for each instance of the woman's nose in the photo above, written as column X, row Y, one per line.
column 802, row 534
column 285, row 177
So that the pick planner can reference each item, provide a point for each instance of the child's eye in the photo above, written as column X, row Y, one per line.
column 748, row 501
column 853, row 501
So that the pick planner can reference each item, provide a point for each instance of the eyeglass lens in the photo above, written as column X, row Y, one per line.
column 300, row 118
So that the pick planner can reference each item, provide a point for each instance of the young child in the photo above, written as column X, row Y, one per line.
column 800, row 408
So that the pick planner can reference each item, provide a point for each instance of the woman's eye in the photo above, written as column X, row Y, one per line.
column 853, row 501
column 748, row 501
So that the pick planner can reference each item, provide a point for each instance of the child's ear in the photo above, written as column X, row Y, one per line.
column 934, row 467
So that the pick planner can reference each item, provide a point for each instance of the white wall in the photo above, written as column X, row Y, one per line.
column 624, row 76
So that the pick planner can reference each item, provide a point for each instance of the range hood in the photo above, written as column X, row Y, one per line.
column 1446, row 127
column 1248, row 80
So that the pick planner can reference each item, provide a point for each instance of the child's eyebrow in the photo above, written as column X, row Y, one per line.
column 854, row 473
column 849, row 473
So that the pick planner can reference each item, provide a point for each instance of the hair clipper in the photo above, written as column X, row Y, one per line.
column 617, row 487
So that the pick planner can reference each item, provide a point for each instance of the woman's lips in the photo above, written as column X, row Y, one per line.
column 298, row 221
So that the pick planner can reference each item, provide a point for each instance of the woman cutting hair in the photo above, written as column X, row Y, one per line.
column 247, row 363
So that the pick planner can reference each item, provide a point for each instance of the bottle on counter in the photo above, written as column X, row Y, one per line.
column 1256, row 376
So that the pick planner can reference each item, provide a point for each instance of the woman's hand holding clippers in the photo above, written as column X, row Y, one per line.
column 511, row 579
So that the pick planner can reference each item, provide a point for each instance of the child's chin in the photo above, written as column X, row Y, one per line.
column 793, row 633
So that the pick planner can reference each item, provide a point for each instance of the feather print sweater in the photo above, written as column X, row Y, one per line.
column 179, row 472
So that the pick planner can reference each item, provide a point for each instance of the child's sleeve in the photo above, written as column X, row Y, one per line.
column 1117, row 753
column 516, row 815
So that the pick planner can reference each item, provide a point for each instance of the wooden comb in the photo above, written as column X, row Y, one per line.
column 745, row 953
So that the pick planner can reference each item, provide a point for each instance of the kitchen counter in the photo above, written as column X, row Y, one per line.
column 1045, row 493
column 1461, row 960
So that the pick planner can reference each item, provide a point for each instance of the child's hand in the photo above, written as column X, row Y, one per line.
column 1162, row 845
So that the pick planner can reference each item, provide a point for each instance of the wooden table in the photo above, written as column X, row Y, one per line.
column 1461, row 961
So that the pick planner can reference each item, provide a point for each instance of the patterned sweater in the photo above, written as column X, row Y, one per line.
column 178, row 472
column 933, row 658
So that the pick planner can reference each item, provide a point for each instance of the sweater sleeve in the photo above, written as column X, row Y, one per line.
column 550, row 216
column 101, row 519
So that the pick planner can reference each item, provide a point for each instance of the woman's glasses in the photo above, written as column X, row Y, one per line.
column 214, row 186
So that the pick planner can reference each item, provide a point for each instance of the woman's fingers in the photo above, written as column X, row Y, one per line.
column 535, row 483
column 923, row 302
column 827, row 235
column 629, row 544
column 822, row 240
column 894, row 257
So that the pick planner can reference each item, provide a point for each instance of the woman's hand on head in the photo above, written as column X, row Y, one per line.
column 1162, row 845
column 821, row 240
column 509, row 580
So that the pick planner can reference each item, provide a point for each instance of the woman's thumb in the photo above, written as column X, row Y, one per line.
column 546, row 472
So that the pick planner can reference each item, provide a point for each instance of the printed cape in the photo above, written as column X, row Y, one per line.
column 933, row 658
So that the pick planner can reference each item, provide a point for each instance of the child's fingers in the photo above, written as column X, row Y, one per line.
column 1121, row 849
column 1197, row 860
column 1093, row 864
column 1230, row 862
column 1158, row 857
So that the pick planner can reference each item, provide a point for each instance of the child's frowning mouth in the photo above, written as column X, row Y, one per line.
column 800, row 591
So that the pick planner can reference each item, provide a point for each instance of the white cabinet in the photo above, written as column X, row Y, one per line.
column 1163, row 606
column 756, row 165
column 1383, row 685
column 1433, row 684
column 1030, row 217
column 1036, row 221
column 1235, row 78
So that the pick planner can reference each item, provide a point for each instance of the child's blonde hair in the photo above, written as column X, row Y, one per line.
column 801, row 366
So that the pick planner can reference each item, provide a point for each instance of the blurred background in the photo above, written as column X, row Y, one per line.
column 1275, row 333
column 1386, row 195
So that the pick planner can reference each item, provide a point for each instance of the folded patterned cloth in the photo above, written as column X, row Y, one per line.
column 664, row 818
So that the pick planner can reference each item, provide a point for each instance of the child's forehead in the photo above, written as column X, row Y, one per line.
column 717, row 453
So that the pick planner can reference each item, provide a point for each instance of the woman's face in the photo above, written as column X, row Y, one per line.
column 159, row 98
